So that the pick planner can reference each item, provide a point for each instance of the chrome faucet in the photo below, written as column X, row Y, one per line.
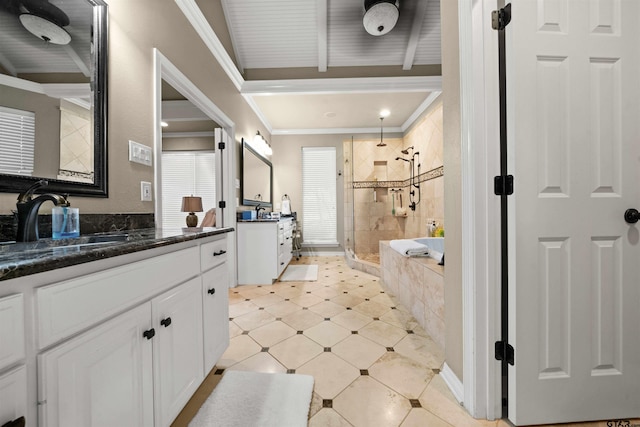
column 28, row 211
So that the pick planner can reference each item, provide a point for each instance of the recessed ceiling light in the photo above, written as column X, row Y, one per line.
column 330, row 114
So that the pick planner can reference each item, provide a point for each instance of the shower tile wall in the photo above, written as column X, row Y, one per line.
column 373, row 220
column 370, row 220
column 426, row 137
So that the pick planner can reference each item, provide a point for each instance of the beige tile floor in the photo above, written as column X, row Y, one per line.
column 373, row 364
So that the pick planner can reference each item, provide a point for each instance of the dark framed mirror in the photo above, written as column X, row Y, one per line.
column 257, row 178
column 66, row 66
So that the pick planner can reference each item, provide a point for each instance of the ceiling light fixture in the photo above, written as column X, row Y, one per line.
column 380, row 16
column 44, row 29
column 381, row 144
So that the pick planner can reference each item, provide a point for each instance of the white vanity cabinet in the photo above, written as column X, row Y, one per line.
column 103, row 377
column 122, row 346
column 264, row 250
column 13, row 382
column 177, row 349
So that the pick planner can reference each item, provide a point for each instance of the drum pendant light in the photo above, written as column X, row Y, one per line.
column 380, row 16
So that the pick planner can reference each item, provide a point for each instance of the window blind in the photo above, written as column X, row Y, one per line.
column 186, row 173
column 319, row 220
column 17, row 141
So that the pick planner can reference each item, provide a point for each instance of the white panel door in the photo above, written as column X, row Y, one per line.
column 102, row 378
column 573, row 89
column 177, row 349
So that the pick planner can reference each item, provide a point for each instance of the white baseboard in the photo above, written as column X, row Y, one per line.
column 322, row 253
column 453, row 382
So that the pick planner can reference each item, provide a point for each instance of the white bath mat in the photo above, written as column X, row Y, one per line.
column 247, row 399
column 300, row 273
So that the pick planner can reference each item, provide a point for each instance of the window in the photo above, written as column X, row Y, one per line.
column 319, row 220
column 186, row 173
column 17, row 141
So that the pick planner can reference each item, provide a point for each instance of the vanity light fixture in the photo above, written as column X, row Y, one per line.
column 192, row 204
column 261, row 145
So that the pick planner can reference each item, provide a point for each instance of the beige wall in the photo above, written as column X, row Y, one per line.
column 135, row 28
column 287, row 171
column 452, row 186
column 47, row 148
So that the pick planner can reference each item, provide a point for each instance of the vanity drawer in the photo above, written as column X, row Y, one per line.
column 212, row 254
column 65, row 308
column 11, row 330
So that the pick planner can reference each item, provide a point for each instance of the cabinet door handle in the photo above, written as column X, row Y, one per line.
column 166, row 322
column 219, row 253
column 211, row 291
column 282, row 263
column 149, row 334
column 281, row 243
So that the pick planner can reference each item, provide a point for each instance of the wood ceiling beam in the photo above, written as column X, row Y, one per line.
column 416, row 27
column 321, row 6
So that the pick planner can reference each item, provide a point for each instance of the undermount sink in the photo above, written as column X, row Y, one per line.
column 65, row 244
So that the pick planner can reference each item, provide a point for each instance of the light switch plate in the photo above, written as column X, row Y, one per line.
column 237, row 183
column 140, row 153
column 145, row 191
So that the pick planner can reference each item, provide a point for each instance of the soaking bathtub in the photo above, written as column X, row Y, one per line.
column 435, row 245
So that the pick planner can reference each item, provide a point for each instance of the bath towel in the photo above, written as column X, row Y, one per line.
column 408, row 247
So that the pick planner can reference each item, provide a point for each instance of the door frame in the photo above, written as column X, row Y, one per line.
column 479, row 150
column 165, row 70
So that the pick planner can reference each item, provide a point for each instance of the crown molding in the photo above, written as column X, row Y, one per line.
column 343, row 85
column 420, row 110
column 334, row 131
column 207, row 134
column 194, row 15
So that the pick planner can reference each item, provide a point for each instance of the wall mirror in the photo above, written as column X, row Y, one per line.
column 53, row 67
column 257, row 178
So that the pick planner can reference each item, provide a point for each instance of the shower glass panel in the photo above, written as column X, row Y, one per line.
column 349, row 211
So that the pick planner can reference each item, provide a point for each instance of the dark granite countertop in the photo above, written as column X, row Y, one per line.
column 23, row 259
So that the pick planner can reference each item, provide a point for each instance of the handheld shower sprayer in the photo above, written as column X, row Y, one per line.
column 401, row 158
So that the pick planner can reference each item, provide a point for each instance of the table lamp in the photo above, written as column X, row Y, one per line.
column 192, row 204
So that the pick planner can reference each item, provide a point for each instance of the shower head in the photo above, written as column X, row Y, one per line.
column 406, row 150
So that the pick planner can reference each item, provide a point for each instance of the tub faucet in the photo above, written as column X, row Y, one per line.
column 28, row 211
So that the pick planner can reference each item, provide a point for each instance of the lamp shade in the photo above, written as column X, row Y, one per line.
column 191, row 204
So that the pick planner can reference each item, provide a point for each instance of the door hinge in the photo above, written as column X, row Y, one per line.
column 222, row 204
column 505, row 352
column 221, row 145
column 500, row 18
column 503, row 185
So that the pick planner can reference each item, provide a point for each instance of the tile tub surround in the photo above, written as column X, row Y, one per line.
column 418, row 283
column 89, row 223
